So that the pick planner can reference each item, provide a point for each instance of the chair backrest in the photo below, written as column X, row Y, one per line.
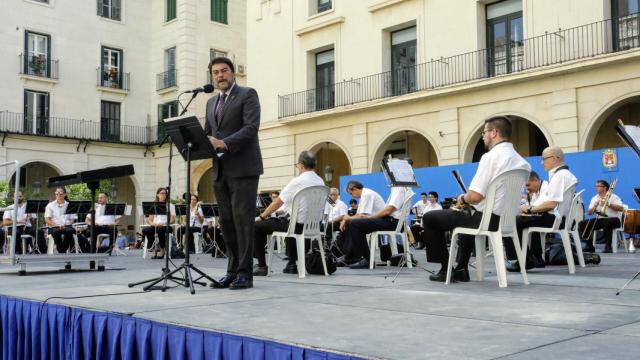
column 566, row 203
column 574, row 211
column 512, row 182
column 404, row 213
column 314, row 199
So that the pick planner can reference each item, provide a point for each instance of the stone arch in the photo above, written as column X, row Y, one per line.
column 600, row 131
column 416, row 139
column 202, row 182
column 331, row 152
column 36, row 171
column 525, row 147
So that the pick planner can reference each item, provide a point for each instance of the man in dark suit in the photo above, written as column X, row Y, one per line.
column 232, row 123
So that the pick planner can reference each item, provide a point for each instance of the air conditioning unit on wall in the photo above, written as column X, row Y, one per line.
column 241, row 70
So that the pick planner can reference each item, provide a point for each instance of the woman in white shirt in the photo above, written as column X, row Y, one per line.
column 196, row 218
column 157, row 224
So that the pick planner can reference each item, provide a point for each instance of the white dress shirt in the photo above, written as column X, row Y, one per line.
column 21, row 216
column 101, row 218
column 194, row 220
column 614, row 200
column 397, row 198
column 302, row 181
column 370, row 202
column 333, row 212
column 57, row 211
column 501, row 158
column 559, row 182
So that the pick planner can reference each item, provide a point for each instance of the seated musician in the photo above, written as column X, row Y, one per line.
column 266, row 225
column 60, row 223
column 23, row 224
column 196, row 219
column 334, row 211
column 501, row 157
column 535, row 186
column 541, row 211
column 424, row 205
column 606, row 222
column 105, row 224
column 158, row 225
column 353, row 207
column 372, row 214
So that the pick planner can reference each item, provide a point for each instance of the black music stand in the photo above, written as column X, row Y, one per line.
column 211, row 211
column 36, row 207
column 114, row 210
column 187, row 135
column 78, row 208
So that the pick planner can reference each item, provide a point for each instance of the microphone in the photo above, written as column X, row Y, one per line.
column 208, row 88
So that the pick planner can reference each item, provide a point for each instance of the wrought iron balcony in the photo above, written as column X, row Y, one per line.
column 113, row 78
column 166, row 79
column 38, row 65
column 580, row 42
column 18, row 123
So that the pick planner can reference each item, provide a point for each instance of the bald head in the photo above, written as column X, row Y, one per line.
column 554, row 151
column 552, row 157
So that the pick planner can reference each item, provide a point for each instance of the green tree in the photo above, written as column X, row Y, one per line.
column 82, row 192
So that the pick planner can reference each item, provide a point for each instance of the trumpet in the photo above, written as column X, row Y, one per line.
column 601, row 212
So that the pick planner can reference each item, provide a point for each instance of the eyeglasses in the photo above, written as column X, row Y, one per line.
column 485, row 131
column 333, row 194
column 548, row 157
column 59, row 193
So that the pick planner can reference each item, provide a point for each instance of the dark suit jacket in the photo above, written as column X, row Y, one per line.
column 239, row 131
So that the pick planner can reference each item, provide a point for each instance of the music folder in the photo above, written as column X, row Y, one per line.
column 399, row 172
column 154, row 208
column 209, row 210
column 78, row 207
column 114, row 209
column 187, row 129
column 36, row 206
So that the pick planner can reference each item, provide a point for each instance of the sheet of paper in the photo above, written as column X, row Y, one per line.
column 401, row 170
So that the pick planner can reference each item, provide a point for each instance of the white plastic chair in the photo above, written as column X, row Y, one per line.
column 511, row 181
column 617, row 233
column 570, row 229
column 372, row 238
column 314, row 197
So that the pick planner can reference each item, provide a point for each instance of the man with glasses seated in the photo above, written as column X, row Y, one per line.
column 60, row 223
column 105, row 224
column 606, row 222
column 372, row 215
column 500, row 158
column 23, row 224
column 334, row 210
column 541, row 212
column 265, row 224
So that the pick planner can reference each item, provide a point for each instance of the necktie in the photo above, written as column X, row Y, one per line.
column 223, row 97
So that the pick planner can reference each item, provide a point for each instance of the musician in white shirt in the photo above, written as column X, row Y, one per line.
column 500, row 158
column 157, row 224
column 105, row 224
column 266, row 225
column 334, row 210
column 606, row 222
column 60, row 223
column 541, row 211
column 428, row 202
column 196, row 219
column 23, row 223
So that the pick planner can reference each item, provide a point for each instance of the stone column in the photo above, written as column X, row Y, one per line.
column 564, row 115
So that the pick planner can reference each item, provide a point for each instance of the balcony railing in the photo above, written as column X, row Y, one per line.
column 113, row 79
column 580, row 42
column 166, row 79
column 17, row 123
column 38, row 65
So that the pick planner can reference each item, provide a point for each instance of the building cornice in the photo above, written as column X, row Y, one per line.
column 383, row 4
column 320, row 25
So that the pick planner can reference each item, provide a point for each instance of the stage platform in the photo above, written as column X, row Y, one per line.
column 362, row 314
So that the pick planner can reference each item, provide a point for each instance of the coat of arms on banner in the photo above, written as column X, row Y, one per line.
column 610, row 159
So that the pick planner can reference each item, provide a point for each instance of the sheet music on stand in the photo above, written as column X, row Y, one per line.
column 400, row 173
column 630, row 135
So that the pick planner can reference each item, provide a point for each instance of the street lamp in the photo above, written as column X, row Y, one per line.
column 36, row 186
column 114, row 191
column 328, row 173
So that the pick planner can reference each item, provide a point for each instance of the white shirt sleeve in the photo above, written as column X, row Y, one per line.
column 482, row 178
column 366, row 202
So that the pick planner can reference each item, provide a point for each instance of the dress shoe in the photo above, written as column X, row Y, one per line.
column 461, row 275
column 291, row 268
column 223, row 283
column 360, row 264
column 241, row 283
column 538, row 262
column 607, row 250
column 260, row 270
column 343, row 261
column 441, row 276
column 588, row 248
column 514, row 266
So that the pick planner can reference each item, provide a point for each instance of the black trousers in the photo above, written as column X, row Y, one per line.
column 267, row 227
column 182, row 231
column 237, row 205
column 105, row 229
column 2, row 239
column 355, row 244
column 149, row 232
column 606, row 224
column 416, row 230
column 62, row 237
column 331, row 227
column 437, row 222
column 20, row 230
column 523, row 222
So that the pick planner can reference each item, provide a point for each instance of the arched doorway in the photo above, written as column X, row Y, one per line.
column 603, row 131
column 33, row 180
column 527, row 139
column 205, row 188
column 123, row 190
column 331, row 162
column 406, row 144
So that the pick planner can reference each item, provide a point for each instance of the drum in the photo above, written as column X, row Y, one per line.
column 632, row 221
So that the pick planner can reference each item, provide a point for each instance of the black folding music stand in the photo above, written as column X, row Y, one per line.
column 211, row 211
column 114, row 210
column 191, row 141
column 36, row 207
